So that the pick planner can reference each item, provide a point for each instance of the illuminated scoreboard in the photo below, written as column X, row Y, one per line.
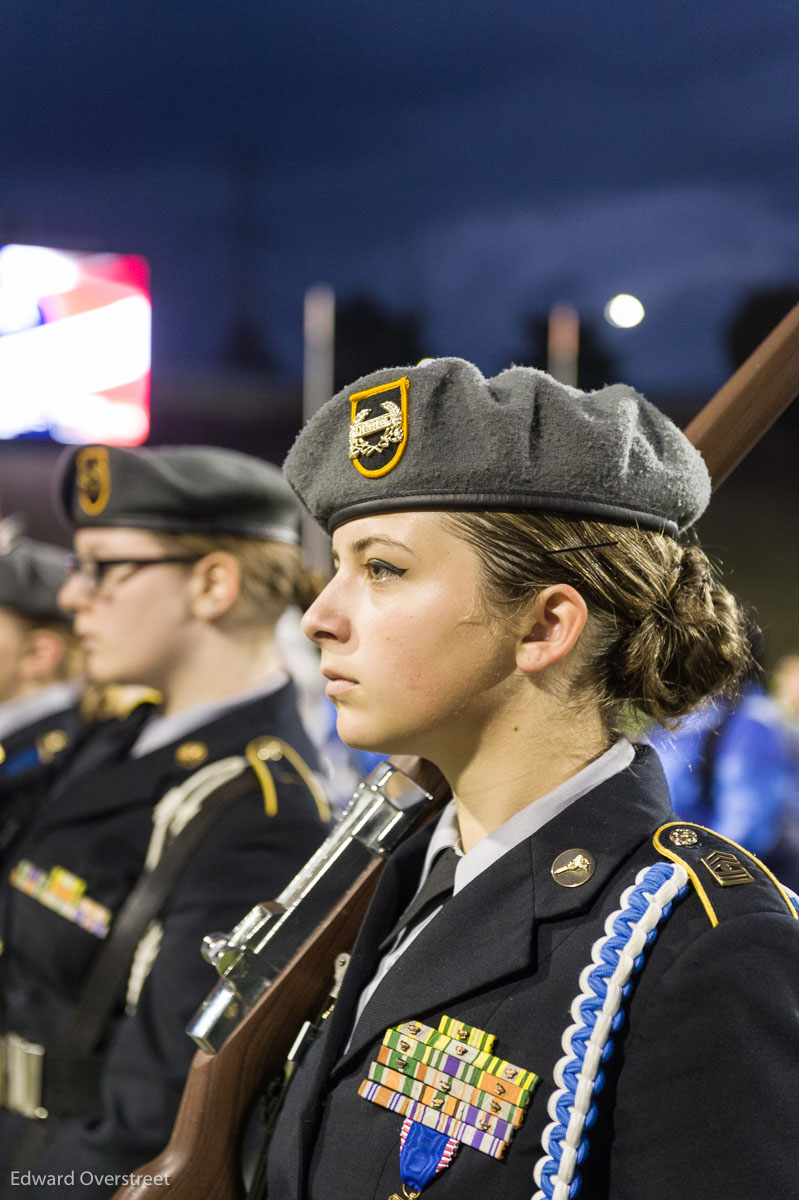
column 74, row 345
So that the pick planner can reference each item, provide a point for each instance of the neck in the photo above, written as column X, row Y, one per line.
column 27, row 687
column 218, row 668
column 515, row 763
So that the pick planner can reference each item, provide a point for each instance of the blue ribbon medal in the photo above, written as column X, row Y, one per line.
column 423, row 1153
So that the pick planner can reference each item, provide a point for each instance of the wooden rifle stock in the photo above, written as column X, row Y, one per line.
column 750, row 401
column 203, row 1155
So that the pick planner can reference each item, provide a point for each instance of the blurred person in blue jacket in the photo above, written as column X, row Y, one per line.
column 729, row 766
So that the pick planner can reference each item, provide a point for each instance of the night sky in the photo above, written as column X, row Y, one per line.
column 473, row 161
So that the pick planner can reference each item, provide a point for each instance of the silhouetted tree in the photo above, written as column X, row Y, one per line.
column 369, row 337
column 596, row 366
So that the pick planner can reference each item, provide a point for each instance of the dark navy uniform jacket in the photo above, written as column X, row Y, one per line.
column 96, row 825
column 701, row 1099
column 31, row 758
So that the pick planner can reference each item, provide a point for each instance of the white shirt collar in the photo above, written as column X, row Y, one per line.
column 160, row 731
column 524, row 823
column 16, row 714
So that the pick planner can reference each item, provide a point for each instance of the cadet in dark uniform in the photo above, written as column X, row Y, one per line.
column 185, row 559
column 40, row 721
column 595, row 1003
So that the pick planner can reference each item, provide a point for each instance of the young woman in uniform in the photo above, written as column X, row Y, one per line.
column 185, row 558
column 594, row 1004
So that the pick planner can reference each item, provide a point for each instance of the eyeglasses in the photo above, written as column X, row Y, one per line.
column 91, row 572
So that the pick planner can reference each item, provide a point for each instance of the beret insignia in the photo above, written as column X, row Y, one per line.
column 93, row 479
column 372, row 438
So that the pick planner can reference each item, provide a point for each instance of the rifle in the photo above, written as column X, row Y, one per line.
column 277, row 965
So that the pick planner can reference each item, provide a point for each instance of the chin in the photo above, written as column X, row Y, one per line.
column 378, row 741
column 96, row 674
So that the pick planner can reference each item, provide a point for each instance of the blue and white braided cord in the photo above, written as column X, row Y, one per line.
column 597, row 1013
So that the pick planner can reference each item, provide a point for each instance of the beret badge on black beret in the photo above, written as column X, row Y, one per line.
column 372, row 439
column 93, row 479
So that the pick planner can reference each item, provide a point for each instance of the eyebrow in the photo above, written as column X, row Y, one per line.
column 362, row 544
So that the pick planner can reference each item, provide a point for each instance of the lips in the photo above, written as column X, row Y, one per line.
column 337, row 685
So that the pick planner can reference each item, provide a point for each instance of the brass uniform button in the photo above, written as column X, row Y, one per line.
column 51, row 743
column 268, row 750
column 683, row 837
column 191, row 754
column 573, row 868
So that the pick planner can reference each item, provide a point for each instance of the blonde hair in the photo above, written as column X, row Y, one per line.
column 273, row 575
column 664, row 633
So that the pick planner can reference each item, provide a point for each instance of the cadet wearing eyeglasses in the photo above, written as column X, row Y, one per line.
column 184, row 560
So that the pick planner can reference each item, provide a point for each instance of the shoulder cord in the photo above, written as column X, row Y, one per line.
column 598, row 1012
column 177, row 806
column 171, row 815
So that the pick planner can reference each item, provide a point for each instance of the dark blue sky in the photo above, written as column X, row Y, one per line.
column 477, row 161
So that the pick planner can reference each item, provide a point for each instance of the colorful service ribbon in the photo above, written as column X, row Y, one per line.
column 63, row 893
column 451, row 1090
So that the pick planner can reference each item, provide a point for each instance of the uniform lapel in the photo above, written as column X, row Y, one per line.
column 490, row 932
column 394, row 890
column 487, row 932
column 482, row 934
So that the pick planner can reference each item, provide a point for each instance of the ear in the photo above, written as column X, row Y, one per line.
column 215, row 585
column 554, row 622
column 41, row 657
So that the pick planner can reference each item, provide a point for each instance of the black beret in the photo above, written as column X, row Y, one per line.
column 31, row 576
column 441, row 436
column 176, row 489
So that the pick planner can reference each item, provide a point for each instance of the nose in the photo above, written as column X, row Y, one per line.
column 326, row 620
column 71, row 595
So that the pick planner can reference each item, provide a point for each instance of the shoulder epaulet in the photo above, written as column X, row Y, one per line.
column 262, row 751
column 715, row 865
column 115, row 701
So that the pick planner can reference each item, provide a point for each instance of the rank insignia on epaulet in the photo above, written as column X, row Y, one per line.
column 713, row 861
column 447, row 1082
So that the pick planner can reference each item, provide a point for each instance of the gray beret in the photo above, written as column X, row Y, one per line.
column 440, row 435
column 176, row 489
column 31, row 575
